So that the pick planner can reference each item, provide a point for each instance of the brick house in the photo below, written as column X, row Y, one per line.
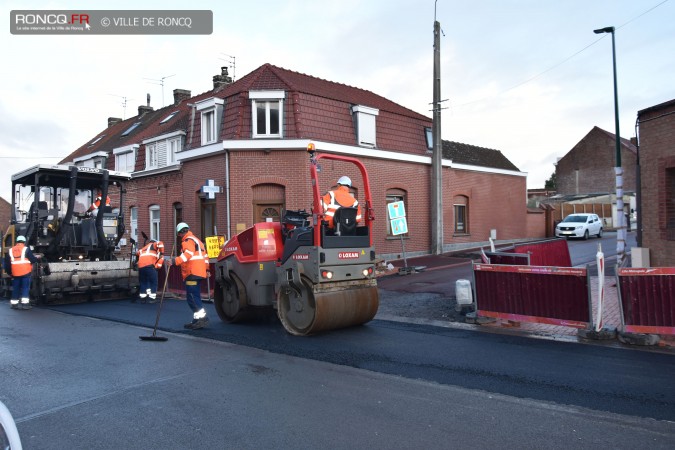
column 588, row 168
column 5, row 214
column 236, row 155
column 657, row 168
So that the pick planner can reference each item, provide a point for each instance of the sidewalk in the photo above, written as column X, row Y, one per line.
column 441, row 273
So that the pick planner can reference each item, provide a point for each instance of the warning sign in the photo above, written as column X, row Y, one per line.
column 213, row 245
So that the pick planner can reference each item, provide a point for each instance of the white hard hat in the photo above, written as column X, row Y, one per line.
column 345, row 181
column 181, row 226
column 20, row 239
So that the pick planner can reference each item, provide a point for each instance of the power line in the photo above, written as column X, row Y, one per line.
column 561, row 62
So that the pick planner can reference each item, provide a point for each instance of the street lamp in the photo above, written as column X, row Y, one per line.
column 620, row 226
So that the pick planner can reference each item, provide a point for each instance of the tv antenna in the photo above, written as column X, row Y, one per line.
column 231, row 60
column 125, row 100
column 161, row 83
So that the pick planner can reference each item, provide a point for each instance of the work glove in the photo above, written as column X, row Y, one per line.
column 168, row 260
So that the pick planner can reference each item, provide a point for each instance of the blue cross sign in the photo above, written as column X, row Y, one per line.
column 210, row 189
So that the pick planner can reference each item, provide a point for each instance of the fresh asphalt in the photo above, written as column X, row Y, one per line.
column 615, row 380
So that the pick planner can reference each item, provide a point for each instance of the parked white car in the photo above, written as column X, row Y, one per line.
column 579, row 226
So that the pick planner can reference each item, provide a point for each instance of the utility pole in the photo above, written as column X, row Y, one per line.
column 437, row 155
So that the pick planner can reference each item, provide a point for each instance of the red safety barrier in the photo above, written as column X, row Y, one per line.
column 647, row 299
column 550, row 295
column 553, row 252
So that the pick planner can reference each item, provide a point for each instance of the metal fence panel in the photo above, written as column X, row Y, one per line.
column 647, row 297
column 552, row 295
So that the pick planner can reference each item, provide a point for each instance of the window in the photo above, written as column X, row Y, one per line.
column 174, row 147
column 131, row 128
column 208, row 127
column 124, row 162
column 429, row 137
column 96, row 140
column 169, row 117
column 396, row 195
column 267, row 113
column 125, row 158
column 154, row 222
column 365, row 125
column 133, row 223
column 151, row 156
column 211, row 113
column 266, row 119
column 461, row 205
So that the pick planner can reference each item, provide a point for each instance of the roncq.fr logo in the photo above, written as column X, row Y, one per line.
column 348, row 255
column 51, row 19
column 301, row 256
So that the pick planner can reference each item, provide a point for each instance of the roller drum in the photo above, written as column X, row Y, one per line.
column 328, row 306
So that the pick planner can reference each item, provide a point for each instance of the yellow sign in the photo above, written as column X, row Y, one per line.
column 213, row 245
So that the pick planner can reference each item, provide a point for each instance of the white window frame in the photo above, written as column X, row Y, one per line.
column 133, row 223
column 366, row 125
column 155, row 221
column 266, row 99
column 151, row 155
column 124, row 152
column 173, row 146
column 210, row 110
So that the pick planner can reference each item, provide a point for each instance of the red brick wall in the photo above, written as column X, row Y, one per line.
column 657, row 155
column 496, row 201
column 589, row 166
column 536, row 224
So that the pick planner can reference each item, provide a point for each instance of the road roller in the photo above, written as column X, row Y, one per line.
column 317, row 278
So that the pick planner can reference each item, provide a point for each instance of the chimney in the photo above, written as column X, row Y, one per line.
column 113, row 120
column 221, row 80
column 633, row 141
column 145, row 109
column 180, row 94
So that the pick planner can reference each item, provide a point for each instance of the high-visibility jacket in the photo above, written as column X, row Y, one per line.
column 337, row 198
column 19, row 256
column 151, row 255
column 97, row 203
column 193, row 260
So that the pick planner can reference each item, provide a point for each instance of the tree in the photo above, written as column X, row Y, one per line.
column 551, row 183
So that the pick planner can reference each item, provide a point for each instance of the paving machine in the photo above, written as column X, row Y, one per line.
column 316, row 278
column 77, row 250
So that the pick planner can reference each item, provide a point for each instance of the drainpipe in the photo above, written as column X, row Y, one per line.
column 227, row 192
column 638, row 187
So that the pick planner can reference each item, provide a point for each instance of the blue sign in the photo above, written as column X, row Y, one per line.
column 396, row 210
column 399, row 226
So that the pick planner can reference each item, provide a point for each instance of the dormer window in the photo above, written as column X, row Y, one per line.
column 267, row 113
column 365, row 125
column 211, row 114
column 125, row 158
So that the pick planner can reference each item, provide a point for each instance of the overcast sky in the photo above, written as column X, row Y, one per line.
column 526, row 77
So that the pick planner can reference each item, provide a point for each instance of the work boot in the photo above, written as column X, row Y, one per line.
column 196, row 324
column 14, row 305
column 25, row 306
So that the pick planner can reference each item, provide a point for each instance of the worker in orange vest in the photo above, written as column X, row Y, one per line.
column 94, row 208
column 194, row 265
column 19, row 263
column 338, row 197
column 150, row 260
